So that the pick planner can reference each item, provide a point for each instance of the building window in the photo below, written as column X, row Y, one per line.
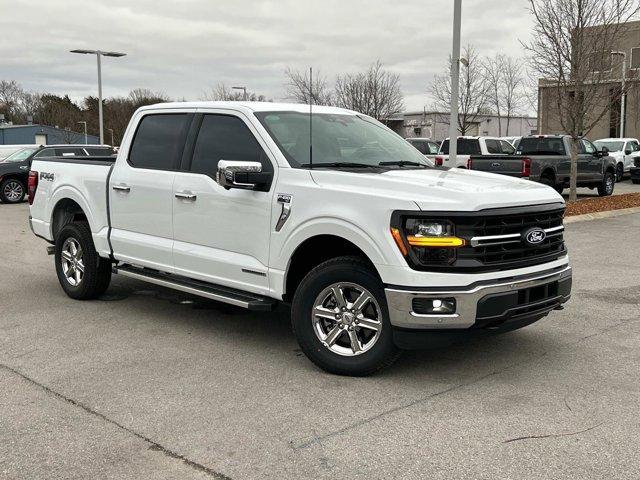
column 417, row 131
column 635, row 57
column 614, row 112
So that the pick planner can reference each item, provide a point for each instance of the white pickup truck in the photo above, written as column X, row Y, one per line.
column 468, row 146
column 374, row 249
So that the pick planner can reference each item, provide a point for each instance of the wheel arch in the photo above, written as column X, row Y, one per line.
column 68, row 208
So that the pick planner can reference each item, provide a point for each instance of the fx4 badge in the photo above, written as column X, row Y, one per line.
column 47, row 176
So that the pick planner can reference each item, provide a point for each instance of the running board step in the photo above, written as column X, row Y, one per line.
column 195, row 287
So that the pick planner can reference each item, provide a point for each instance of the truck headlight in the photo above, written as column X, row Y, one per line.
column 428, row 242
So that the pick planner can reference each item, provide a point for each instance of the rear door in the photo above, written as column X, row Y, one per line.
column 222, row 236
column 141, row 190
column 589, row 162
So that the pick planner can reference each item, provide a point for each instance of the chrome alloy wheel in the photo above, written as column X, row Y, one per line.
column 610, row 180
column 13, row 191
column 347, row 319
column 72, row 261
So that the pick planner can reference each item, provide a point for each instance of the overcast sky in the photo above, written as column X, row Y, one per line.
column 184, row 47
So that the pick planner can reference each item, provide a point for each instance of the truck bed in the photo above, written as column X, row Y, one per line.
column 510, row 165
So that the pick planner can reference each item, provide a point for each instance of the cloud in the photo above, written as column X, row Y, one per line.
column 182, row 48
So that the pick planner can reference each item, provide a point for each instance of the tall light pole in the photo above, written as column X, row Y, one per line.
column 98, row 54
column 623, row 99
column 455, row 82
column 244, row 89
column 85, row 132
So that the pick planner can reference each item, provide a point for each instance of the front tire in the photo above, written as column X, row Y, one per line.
column 605, row 188
column 340, row 318
column 12, row 191
column 619, row 172
column 82, row 273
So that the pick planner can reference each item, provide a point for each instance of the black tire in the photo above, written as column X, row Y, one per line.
column 635, row 181
column 619, row 172
column 605, row 188
column 96, row 276
column 350, row 271
column 551, row 182
column 12, row 190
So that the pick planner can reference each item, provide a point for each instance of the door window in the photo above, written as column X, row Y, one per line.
column 493, row 146
column 587, row 147
column 158, row 141
column 507, row 147
column 225, row 137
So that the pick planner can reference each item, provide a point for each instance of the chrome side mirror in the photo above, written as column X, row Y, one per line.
column 234, row 174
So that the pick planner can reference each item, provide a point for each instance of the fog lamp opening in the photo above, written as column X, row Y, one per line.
column 437, row 306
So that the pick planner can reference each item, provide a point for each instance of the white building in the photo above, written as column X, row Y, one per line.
column 435, row 125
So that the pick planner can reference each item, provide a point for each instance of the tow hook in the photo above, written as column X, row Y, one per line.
column 559, row 307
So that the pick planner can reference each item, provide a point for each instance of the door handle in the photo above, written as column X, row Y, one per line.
column 186, row 196
column 122, row 188
column 24, row 167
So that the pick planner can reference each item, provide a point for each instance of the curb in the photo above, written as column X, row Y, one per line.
column 598, row 215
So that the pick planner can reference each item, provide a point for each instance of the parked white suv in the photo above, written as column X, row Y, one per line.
column 468, row 146
column 374, row 249
column 624, row 150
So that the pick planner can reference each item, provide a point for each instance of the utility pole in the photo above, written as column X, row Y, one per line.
column 455, row 82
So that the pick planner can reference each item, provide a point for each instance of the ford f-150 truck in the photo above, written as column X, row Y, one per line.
column 468, row 146
column 374, row 249
column 546, row 159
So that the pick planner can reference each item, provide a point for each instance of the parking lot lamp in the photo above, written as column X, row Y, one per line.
column 623, row 99
column 98, row 54
column 244, row 90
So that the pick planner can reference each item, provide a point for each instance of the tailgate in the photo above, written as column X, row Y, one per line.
column 510, row 165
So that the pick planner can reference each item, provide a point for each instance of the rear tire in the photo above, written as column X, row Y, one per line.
column 551, row 182
column 605, row 188
column 82, row 273
column 12, row 190
column 357, row 339
column 635, row 182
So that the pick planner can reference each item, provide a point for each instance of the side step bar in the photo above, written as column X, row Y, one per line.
column 232, row 296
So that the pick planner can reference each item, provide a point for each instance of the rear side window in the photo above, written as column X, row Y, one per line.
column 541, row 146
column 420, row 146
column 466, row 146
column 46, row 152
column 159, row 141
column 224, row 137
column 493, row 146
column 70, row 152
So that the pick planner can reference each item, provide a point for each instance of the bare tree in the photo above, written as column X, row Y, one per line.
column 494, row 77
column 10, row 93
column 513, row 88
column 224, row 93
column 473, row 91
column 571, row 50
column 375, row 92
column 298, row 88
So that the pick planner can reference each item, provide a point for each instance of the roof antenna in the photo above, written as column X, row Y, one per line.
column 310, row 118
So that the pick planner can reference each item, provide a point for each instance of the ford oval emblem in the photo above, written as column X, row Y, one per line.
column 534, row 236
column 496, row 165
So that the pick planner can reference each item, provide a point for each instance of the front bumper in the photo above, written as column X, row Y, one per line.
column 635, row 173
column 483, row 304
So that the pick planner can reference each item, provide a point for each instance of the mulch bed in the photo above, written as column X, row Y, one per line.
column 602, row 204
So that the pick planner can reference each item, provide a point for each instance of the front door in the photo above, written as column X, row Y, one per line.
column 222, row 236
column 141, row 192
column 589, row 162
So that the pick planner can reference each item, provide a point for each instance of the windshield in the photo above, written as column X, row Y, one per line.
column 20, row 155
column 611, row 146
column 339, row 141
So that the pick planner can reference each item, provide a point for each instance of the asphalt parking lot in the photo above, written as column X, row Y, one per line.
column 150, row 383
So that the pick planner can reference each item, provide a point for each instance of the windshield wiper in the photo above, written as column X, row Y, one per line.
column 403, row 163
column 339, row 165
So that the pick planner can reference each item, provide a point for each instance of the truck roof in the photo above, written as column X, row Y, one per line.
column 616, row 140
column 251, row 106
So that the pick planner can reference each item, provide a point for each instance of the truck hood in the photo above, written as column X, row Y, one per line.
column 440, row 189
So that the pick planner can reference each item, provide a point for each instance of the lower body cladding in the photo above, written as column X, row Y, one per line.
column 430, row 316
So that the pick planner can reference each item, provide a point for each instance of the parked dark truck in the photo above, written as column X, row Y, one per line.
column 546, row 159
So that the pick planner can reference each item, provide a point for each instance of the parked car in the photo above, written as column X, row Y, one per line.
column 425, row 146
column 468, row 146
column 14, row 170
column 373, row 249
column 635, row 171
column 546, row 159
column 623, row 150
column 6, row 150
